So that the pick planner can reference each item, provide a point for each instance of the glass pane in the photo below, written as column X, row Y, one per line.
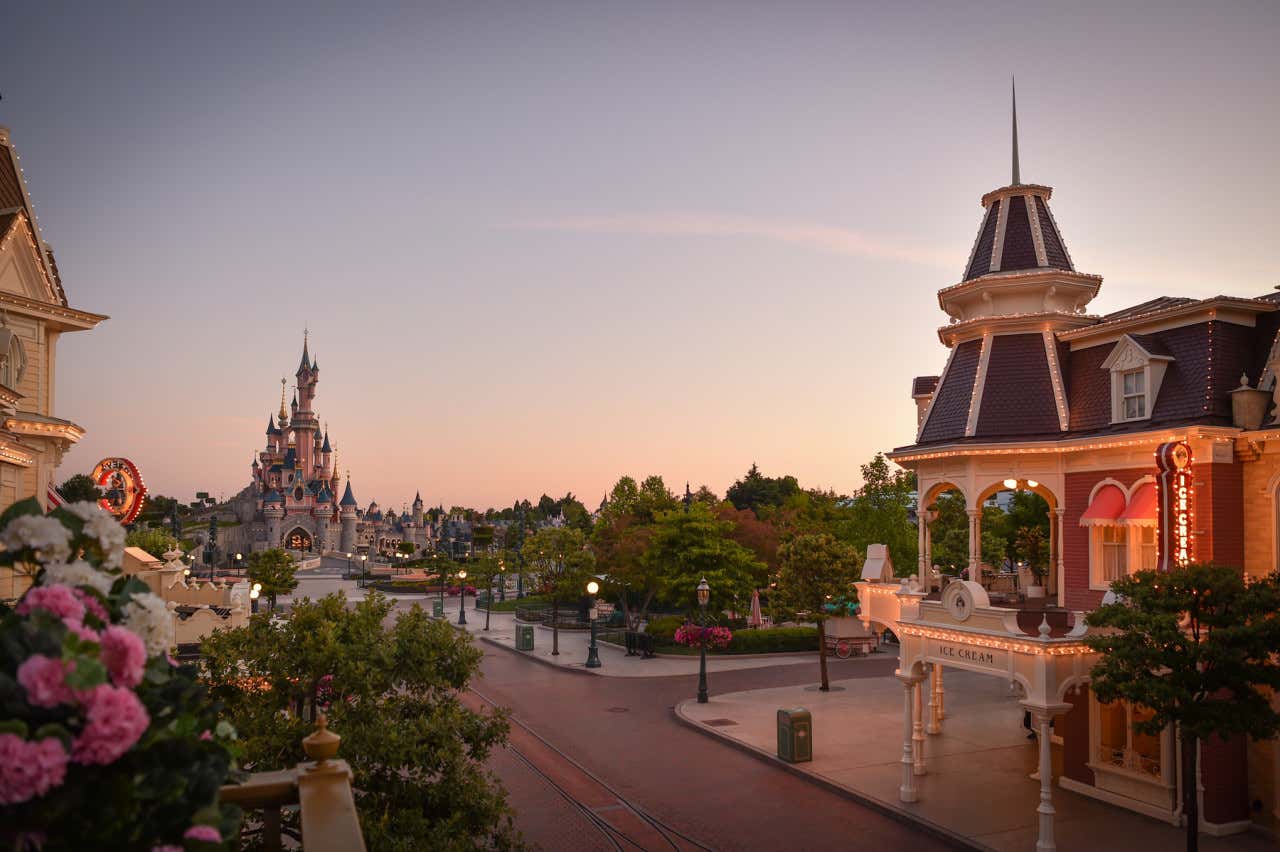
column 1112, row 739
column 1130, row 385
column 1145, row 756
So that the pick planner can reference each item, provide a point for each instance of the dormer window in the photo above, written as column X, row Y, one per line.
column 1134, row 394
column 1137, row 365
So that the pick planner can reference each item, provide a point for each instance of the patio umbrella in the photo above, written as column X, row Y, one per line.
column 756, row 618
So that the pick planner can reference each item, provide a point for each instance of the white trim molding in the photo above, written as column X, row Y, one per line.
column 979, row 383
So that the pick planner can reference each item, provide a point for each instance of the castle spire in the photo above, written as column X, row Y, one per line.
column 1013, row 90
column 306, row 357
column 284, row 412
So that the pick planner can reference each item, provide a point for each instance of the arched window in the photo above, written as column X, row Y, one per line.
column 13, row 358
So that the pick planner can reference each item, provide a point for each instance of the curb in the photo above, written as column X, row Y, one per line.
column 897, row 814
column 495, row 643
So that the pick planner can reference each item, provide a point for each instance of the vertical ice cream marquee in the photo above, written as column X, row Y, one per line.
column 1176, row 544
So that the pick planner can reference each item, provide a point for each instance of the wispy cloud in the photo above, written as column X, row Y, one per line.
column 810, row 235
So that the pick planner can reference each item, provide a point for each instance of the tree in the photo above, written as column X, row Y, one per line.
column 815, row 569
column 755, row 490
column 80, row 489
column 688, row 545
column 1196, row 647
column 154, row 540
column 563, row 564
column 392, row 689
column 274, row 569
column 1031, row 545
column 406, row 547
column 619, row 542
column 482, row 537
column 879, row 513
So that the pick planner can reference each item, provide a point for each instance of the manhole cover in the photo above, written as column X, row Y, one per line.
column 618, row 709
column 719, row 723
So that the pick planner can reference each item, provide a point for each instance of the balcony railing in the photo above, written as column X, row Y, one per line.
column 320, row 789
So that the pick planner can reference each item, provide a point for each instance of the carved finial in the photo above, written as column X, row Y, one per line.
column 321, row 744
column 1044, row 627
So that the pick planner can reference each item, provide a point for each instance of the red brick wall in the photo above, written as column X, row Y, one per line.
column 1075, row 538
column 1073, row 727
column 1220, row 514
column 1224, row 773
column 1219, row 508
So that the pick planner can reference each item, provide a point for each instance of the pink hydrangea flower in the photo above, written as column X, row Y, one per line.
column 81, row 629
column 59, row 600
column 207, row 833
column 206, row 736
column 45, row 680
column 93, row 605
column 28, row 770
column 114, row 720
column 124, row 655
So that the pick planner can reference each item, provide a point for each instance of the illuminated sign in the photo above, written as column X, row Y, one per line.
column 962, row 656
column 1175, row 544
column 123, row 491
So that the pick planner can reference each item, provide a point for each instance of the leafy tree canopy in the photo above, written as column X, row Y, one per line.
column 755, row 490
column 687, row 546
column 80, row 489
column 155, row 540
column 274, row 569
column 816, row 570
column 391, row 689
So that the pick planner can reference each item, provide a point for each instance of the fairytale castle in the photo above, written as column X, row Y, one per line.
column 296, row 483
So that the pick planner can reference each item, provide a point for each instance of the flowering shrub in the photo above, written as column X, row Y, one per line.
column 693, row 636
column 103, row 738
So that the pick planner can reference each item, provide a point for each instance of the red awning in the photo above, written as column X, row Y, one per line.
column 1142, row 508
column 1107, row 505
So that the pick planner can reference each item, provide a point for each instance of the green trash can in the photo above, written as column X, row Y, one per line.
column 437, row 608
column 524, row 637
column 795, row 735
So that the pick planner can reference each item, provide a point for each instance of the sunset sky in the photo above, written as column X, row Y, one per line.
column 540, row 245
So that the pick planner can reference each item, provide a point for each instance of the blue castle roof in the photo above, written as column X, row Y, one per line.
column 348, row 499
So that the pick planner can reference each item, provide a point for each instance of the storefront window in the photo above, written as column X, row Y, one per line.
column 1147, row 541
column 1115, row 563
column 1120, row 745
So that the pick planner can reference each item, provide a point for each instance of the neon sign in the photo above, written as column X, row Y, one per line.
column 123, row 491
column 1175, row 545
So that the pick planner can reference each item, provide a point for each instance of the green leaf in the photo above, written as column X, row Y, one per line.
column 30, row 506
column 87, row 673
column 14, row 726
column 53, row 729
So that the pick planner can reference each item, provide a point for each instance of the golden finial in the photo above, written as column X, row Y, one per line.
column 284, row 412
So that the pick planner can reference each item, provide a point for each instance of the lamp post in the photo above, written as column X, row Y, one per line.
column 502, row 580
column 348, row 566
column 439, row 579
column 364, row 570
column 488, row 601
column 593, row 652
column 254, row 593
column 462, row 596
column 704, row 595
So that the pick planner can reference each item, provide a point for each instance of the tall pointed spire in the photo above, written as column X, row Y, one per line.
column 306, row 356
column 1013, row 90
column 284, row 412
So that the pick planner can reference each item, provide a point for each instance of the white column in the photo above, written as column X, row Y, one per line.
column 922, row 561
column 942, row 697
column 917, row 728
column 975, row 545
column 934, row 725
column 1060, row 584
column 907, row 792
column 1045, row 842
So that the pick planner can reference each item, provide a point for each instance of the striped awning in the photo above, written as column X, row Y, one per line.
column 1141, row 511
column 1105, row 508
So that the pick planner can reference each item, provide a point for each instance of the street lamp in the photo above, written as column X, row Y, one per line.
column 462, row 596
column 593, row 652
column 364, row 570
column 439, row 579
column 704, row 595
column 239, row 561
column 253, row 596
column 502, row 580
column 348, row 566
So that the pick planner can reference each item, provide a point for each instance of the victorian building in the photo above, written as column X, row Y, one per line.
column 292, row 501
column 34, row 314
column 1168, row 403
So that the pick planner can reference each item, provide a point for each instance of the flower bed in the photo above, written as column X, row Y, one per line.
column 102, row 735
column 776, row 640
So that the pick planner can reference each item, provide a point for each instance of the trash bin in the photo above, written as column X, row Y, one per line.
column 524, row 637
column 795, row 735
column 437, row 608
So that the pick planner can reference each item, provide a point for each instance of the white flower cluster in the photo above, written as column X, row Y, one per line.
column 147, row 616
column 78, row 573
column 99, row 524
column 44, row 534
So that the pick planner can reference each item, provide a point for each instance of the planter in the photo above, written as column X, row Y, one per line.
column 1034, row 592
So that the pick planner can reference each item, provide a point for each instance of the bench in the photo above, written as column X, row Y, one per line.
column 639, row 643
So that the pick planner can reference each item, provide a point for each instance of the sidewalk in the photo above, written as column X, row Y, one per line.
column 614, row 661
column 977, row 787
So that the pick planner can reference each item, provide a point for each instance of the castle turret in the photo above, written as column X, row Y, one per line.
column 417, row 509
column 347, row 511
column 273, row 509
column 323, row 512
